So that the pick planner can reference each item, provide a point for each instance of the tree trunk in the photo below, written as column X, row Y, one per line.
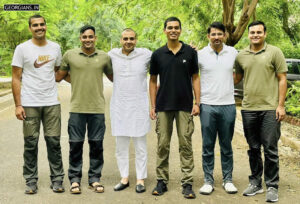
column 285, row 24
column 234, row 33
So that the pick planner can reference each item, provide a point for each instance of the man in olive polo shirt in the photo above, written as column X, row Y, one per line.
column 177, row 66
column 264, row 70
column 86, row 66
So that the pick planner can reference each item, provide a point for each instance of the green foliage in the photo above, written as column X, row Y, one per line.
column 110, row 17
column 292, row 103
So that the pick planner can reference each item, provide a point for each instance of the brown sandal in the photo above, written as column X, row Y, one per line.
column 73, row 189
column 97, row 187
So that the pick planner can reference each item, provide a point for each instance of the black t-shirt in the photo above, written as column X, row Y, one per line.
column 175, row 76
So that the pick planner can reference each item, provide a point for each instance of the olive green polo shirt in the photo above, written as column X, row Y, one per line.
column 86, row 73
column 260, row 80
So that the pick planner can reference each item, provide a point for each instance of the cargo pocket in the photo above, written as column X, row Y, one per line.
column 31, row 127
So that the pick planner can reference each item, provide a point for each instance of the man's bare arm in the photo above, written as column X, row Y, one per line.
column 237, row 78
column 196, row 87
column 282, row 83
column 152, row 92
column 60, row 75
column 110, row 77
column 16, row 89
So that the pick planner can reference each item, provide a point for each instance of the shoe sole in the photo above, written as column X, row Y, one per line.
column 272, row 201
column 256, row 192
column 61, row 190
column 155, row 193
column 206, row 193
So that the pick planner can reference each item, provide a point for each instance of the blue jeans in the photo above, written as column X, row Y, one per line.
column 262, row 129
column 217, row 119
column 95, row 124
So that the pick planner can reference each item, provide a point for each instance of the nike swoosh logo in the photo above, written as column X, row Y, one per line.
column 36, row 65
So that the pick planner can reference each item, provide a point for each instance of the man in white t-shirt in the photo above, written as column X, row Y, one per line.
column 34, row 64
column 129, row 107
column 217, row 109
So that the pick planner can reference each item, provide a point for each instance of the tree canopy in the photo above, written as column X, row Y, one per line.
column 110, row 17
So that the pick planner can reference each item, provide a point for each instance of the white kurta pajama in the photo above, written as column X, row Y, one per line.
column 129, row 107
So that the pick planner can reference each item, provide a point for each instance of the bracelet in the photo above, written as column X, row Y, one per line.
column 18, row 105
column 197, row 104
column 153, row 108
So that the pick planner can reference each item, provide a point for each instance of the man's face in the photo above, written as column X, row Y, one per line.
column 88, row 39
column 128, row 41
column 257, row 35
column 216, row 37
column 38, row 28
column 173, row 30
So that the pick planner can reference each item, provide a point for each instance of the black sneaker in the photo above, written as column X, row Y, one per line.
column 57, row 187
column 31, row 188
column 160, row 188
column 188, row 192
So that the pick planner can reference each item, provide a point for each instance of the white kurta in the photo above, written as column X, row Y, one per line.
column 129, row 105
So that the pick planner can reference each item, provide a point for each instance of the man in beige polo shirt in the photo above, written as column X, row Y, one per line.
column 264, row 70
column 86, row 66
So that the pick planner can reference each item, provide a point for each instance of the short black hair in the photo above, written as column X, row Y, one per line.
column 35, row 16
column 87, row 27
column 172, row 19
column 130, row 29
column 254, row 23
column 216, row 25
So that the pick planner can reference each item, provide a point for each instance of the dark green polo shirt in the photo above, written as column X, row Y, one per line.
column 87, row 79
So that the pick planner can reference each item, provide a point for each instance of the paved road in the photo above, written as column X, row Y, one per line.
column 12, row 183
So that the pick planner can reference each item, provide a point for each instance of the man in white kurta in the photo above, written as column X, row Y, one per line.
column 129, row 107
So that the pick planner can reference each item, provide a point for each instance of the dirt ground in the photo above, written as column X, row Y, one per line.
column 12, row 182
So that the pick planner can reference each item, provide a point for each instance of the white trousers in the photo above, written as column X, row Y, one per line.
column 122, row 154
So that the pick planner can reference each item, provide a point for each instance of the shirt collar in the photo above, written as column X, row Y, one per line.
column 213, row 51
column 94, row 53
column 132, row 53
column 262, row 50
column 166, row 49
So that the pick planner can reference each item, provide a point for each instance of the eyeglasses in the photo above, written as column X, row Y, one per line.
column 131, row 39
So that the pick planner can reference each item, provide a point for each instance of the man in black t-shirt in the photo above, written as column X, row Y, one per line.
column 177, row 66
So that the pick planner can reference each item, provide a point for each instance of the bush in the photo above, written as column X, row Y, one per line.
column 292, row 103
column 5, row 61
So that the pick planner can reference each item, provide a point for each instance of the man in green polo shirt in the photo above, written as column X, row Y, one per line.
column 264, row 70
column 86, row 66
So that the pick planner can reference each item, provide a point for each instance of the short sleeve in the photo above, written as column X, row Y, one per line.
column 153, row 65
column 194, row 63
column 18, row 58
column 279, row 62
column 108, row 68
column 237, row 67
column 65, row 62
column 58, row 59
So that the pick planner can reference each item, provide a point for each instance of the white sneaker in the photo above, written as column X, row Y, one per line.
column 230, row 188
column 206, row 189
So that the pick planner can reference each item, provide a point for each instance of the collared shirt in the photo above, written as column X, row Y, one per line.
column 216, row 72
column 129, row 104
column 260, row 80
column 86, row 73
column 175, row 72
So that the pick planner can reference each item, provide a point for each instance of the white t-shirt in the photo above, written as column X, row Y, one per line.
column 216, row 74
column 38, row 76
column 129, row 105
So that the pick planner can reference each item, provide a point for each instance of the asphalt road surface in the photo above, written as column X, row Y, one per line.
column 12, row 183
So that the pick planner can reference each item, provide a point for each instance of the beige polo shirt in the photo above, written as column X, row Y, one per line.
column 260, row 80
column 87, row 79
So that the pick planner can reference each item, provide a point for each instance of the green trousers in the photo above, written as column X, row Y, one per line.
column 51, row 119
column 185, row 129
